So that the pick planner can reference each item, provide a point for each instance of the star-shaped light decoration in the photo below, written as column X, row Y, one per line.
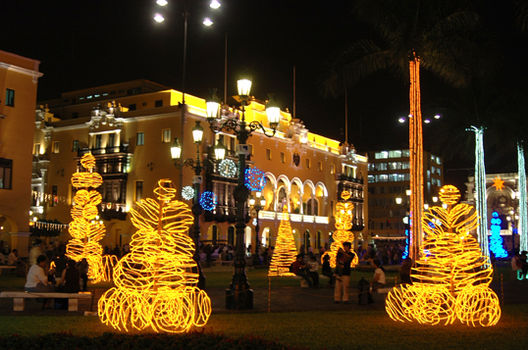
column 498, row 183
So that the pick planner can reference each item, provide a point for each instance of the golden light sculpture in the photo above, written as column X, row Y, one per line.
column 343, row 224
column 85, row 230
column 285, row 251
column 156, row 281
column 415, row 158
column 451, row 278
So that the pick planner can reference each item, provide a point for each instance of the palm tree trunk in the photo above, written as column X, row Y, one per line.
column 416, row 159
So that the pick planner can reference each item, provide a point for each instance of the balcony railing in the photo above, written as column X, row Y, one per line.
column 271, row 215
column 105, row 150
column 343, row 177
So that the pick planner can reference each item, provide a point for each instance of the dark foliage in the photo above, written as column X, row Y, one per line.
column 190, row 341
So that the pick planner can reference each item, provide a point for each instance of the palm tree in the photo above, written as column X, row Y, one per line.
column 412, row 34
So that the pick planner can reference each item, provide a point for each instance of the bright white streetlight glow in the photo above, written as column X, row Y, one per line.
column 162, row 2
column 274, row 115
column 437, row 116
column 158, row 17
column 399, row 200
column 207, row 22
column 244, row 87
column 427, row 121
column 402, row 120
column 435, row 199
column 212, row 109
column 215, row 4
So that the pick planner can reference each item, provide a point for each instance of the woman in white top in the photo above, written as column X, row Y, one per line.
column 378, row 281
column 37, row 279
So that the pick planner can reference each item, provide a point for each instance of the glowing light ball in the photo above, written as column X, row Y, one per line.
column 495, row 239
column 188, row 192
column 254, row 179
column 227, row 168
column 452, row 280
column 342, row 234
column 208, row 200
column 85, row 230
column 285, row 251
column 155, row 284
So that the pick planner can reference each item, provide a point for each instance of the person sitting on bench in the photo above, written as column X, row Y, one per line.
column 37, row 279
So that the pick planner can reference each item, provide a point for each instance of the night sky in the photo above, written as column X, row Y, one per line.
column 88, row 43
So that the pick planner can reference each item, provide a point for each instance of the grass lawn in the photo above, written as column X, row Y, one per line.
column 362, row 329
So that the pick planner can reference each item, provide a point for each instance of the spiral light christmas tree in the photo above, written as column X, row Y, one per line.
column 285, row 250
column 85, row 230
column 343, row 224
column 156, row 282
column 452, row 280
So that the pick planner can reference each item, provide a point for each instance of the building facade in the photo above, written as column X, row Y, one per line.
column 18, row 88
column 389, row 183
column 502, row 196
column 130, row 127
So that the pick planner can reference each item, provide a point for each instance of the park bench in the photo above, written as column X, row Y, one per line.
column 7, row 268
column 19, row 297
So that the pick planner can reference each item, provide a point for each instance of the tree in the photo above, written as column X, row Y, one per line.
column 156, row 283
column 451, row 280
column 412, row 35
column 86, row 230
column 285, row 251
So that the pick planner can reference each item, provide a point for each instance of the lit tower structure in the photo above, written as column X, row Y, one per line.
column 480, row 189
column 416, row 159
column 523, row 210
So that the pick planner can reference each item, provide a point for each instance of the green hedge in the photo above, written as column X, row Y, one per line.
column 190, row 341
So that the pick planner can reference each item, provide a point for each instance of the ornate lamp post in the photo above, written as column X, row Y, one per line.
column 196, row 165
column 257, row 204
column 239, row 295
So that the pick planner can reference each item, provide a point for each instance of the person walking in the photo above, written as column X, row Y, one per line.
column 342, row 273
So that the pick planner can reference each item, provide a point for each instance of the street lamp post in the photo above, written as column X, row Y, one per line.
column 160, row 18
column 196, row 165
column 257, row 204
column 239, row 295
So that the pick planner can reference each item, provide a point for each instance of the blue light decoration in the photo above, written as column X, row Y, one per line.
column 406, row 252
column 480, row 189
column 255, row 179
column 495, row 239
column 523, row 210
column 208, row 200
column 187, row 192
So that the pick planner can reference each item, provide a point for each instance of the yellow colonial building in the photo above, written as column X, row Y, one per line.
column 18, row 95
column 130, row 127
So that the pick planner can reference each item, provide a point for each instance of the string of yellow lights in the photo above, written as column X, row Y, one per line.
column 85, row 230
column 342, row 234
column 451, row 278
column 156, row 281
column 285, row 251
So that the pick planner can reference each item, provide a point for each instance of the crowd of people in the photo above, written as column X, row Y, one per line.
column 48, row 268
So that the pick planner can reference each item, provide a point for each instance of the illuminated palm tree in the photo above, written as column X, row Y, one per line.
column 433, row 35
